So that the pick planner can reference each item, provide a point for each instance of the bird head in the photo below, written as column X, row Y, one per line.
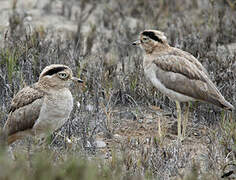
column 151, row 39
column 57, row 75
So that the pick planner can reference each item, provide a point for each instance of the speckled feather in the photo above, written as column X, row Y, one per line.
column 178, row 52
column 180, row 75
column 25, row 109
column 26, row 96
column 179, row 65
column 43, row 107
column 177, row 73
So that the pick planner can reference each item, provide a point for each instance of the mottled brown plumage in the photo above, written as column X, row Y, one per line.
column 26, row 96
column 177, row 73
column 42, row 107
column 178, row 52
column 25, row 109
column 180, row 65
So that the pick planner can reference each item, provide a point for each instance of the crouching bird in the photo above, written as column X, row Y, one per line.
column 43, row 107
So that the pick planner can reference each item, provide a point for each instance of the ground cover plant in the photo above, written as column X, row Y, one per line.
column 112, row 132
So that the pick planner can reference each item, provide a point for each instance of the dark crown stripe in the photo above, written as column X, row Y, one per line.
column 54, row 71
column 152, row 35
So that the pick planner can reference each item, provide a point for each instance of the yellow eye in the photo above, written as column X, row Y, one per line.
column 145, row 39
column 63, row 75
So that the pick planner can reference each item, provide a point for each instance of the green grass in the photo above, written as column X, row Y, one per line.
column 9, row 59
column 116, row 82
column 46, row 164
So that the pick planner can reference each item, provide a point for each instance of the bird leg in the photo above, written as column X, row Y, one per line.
column 159, row 127
column 178, row 109
column 185, row 119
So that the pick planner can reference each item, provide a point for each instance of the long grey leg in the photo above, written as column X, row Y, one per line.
column 178, row 108
column 185, row 123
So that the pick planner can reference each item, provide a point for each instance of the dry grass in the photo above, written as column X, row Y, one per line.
column 117, row 104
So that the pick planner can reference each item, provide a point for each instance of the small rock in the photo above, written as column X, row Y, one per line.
column 149, row 121
column 117, row 136
column 100, row 144
column 88, row 145
column 89, row 107
column 140, row 120
column 78, row 104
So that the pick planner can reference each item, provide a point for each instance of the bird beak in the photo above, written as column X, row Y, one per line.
column 135, row 43
column 77, row 80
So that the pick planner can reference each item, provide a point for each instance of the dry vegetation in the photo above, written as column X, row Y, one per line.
column 117, row 105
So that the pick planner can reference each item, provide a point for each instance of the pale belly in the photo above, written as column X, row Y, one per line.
column 151, row 75
column 54, row 113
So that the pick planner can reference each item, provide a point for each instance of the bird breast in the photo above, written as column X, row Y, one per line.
column 55, row 110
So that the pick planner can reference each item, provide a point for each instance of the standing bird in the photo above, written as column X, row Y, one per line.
column 177, row 74
column 43, row 107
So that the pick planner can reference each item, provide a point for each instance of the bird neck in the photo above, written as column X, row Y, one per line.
column 50, row 85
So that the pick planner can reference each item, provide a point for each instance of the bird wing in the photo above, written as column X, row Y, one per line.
column 24, row 110
column 189, row 57
column 180, row 75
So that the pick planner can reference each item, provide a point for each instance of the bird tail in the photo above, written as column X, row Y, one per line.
column 19, row 135
column 226, row 105
column 12, row 138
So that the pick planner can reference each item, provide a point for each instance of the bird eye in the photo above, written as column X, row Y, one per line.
column 145, row 39
column 63, row 75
